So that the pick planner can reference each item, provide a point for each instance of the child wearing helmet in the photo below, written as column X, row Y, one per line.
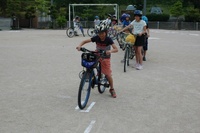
column 77, row 25
column 103, row 42
column 126, row 22
column 114, row 20
column 96, row 21
column 108, row 20
column 145, row 47
column 139, row 29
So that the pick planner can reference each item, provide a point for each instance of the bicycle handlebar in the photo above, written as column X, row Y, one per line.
column 101, row 52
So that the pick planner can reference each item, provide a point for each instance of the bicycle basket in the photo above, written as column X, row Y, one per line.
column 88, row 60
column 130, row 39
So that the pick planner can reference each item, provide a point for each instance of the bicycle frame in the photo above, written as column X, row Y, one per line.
column 90, row 77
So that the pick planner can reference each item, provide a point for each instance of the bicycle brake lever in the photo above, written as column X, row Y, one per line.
column 83, row 49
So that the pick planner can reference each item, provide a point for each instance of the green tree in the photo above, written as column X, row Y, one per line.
column 53, row 12
column 30, row 13
column 42, row 7
column 192, row 14
column 13, row 10
column 177, row 10
column 3, row 6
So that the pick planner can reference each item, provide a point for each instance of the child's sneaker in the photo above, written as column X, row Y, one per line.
column 113, row 93
column 139, row 67
column 135, row 65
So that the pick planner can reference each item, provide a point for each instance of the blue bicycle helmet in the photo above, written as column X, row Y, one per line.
column 96, row 17
column 145, row 19
column 128, row 16
column 137, row 13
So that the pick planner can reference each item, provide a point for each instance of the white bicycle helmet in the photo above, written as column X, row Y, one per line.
column 102, row 26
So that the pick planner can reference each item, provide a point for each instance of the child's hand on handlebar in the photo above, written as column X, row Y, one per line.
column 108, row 52
column 78, row 48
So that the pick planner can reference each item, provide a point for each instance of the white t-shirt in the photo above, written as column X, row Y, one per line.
column 96, row 22
column 108, row 21
column 138, row 27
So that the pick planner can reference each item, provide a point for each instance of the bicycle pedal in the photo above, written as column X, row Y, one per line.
column 106, row 85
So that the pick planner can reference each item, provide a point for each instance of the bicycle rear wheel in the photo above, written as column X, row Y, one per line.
column 84, row 90
column 91, row 32
column 70, row 32
column 102, row 81
column 126, row 59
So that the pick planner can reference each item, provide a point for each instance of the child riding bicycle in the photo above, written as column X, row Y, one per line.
column 77, row 25
column 103, row 42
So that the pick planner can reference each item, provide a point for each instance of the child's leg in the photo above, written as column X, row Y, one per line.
column 136, row 54
column 110, row 80
column 139, row 50
column 106, row 69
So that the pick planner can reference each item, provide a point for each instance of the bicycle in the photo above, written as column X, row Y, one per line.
column 120, row 39
column 74, row 31
column 129, row 52
column 91, row 76
column 91, row 32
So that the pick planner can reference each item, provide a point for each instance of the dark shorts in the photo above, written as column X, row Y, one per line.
column 145, row 47
column 140, row 40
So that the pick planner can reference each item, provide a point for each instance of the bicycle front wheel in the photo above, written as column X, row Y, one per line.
column 70, row 32
column 102, row 81
column 84, row 90
column 132, row 53
column 91, row 32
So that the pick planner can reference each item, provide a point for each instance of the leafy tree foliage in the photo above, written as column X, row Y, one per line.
column 177, row 9
column 192, row 14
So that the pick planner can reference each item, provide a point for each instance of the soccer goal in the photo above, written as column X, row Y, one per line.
column 116, row 8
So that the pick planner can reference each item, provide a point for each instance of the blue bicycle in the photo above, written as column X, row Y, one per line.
column 91, row 76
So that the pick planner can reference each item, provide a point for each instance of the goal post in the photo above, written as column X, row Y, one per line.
column 73, row 5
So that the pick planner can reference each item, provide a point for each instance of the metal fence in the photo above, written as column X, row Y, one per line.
column 157, row 25
column 5, row 23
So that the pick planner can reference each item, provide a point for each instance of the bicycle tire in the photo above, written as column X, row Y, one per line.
column 125, row 59
column 83, row 98
column 102, row 81
column 119, row 40
column 132, row 53
column 128, row 55
column 91, row 32
column 70, row 32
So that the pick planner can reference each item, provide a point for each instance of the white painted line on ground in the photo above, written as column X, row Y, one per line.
column 14, row 31
column 89, row 108
column 154, row 38
column 76, row 108
column 194, row 34
column 88, row 129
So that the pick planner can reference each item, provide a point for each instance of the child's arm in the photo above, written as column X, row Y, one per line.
column 113, row 50
column 144, row 31
column 127, row 27
column 83, row 43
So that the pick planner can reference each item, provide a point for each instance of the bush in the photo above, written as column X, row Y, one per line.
column 158, row 17
column 61, row 21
